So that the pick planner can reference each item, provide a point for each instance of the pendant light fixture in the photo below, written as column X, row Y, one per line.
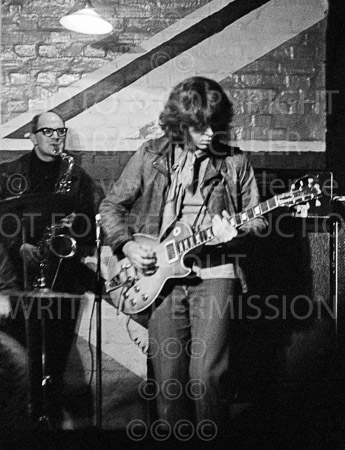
column 86, row 21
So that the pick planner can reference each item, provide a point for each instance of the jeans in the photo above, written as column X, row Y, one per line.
column 189, row 351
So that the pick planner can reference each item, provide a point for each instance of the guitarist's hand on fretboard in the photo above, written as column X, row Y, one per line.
column 222, row 229
column 141, row 256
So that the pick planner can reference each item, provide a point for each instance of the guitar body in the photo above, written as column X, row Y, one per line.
column 134, row 291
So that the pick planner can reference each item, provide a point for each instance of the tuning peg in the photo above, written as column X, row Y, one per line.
column 302, row 210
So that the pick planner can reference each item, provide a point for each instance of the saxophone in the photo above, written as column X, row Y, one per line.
column 63, row 186
column 56, row 239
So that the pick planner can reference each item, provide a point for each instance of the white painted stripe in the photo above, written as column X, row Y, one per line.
column 132, row 145
column 281, row 146
column 115, row 340
column 15, row 144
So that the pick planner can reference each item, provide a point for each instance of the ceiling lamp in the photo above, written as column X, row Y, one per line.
column 86, row 21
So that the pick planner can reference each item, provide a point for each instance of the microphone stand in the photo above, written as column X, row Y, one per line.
column 98, row 300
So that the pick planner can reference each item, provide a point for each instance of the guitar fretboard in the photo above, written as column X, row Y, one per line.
column 206, row 235
column 252, row 213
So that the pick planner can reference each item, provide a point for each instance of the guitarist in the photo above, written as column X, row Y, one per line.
column 188, row 174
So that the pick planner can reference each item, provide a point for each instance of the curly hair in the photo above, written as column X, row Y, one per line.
column 196, row 102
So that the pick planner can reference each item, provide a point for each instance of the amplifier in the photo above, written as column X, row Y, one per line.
column 299, row 270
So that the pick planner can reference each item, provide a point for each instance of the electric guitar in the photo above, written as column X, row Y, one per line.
column 133, row 291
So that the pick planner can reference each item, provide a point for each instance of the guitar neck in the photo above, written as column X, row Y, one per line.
column 252, row 213
column 206, row 235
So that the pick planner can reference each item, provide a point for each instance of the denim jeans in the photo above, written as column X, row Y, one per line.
column 189, row 351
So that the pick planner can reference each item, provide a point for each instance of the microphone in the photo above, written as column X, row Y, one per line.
column 98, row 228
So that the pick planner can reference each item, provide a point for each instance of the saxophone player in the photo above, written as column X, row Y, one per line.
column 43, row 171
column 40, row 172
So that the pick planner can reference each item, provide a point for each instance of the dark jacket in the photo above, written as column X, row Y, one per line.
column 82, row 186
column 136, row 201
column 15, row 181
column 82, row 198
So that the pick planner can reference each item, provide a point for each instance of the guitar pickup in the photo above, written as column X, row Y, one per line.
column 171, row 251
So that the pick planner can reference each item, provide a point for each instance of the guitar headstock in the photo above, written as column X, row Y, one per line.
column 302, row 190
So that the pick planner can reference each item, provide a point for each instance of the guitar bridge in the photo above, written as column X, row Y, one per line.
column 114, row 283
column 121, row 279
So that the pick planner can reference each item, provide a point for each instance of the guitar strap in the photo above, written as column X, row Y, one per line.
column 207, row 198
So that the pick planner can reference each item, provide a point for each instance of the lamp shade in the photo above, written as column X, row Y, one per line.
column 86, row 21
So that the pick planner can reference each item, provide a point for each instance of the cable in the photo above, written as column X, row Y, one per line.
column 92, row 369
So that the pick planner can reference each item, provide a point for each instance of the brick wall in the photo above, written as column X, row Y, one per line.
column 39, row 57
column 279, row 98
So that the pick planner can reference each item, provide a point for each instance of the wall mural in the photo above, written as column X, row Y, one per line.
column 269, row 58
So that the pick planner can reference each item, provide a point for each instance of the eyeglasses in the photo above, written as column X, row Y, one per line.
column 48, row 132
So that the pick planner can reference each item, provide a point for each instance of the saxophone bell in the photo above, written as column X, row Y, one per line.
column 62, row 245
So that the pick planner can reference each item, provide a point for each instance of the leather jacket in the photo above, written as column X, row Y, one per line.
column 136, row 201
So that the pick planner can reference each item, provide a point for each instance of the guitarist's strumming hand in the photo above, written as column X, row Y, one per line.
column 141, row 256
column 222, row 230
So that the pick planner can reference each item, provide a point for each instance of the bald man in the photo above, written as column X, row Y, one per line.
column 41, row 171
